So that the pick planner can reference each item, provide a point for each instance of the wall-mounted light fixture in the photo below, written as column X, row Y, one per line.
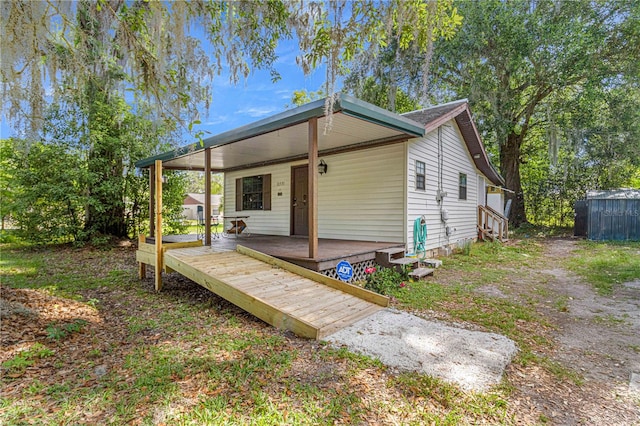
column 322, row 167
column 476, row 156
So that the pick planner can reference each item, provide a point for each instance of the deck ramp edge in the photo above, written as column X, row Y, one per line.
column 255, row 306
column 262, row 308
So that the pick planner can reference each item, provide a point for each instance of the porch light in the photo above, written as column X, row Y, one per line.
column 322, row 167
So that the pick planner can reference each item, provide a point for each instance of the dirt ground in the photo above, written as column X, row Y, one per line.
column 596, row 337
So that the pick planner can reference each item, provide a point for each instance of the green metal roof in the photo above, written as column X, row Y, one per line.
column 347, row 105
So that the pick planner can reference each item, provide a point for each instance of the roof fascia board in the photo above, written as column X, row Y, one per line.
column 276, row 122
column 432, row 125
column 483, row 163
column 484, row 151
column 356, row 108
column 266, row 125
column 346, row 104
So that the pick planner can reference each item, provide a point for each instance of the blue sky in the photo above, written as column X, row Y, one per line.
column 250, row 100
column 257, row 97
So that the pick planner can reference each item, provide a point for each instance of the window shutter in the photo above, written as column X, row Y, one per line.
column 266, row 192
column 238, row 194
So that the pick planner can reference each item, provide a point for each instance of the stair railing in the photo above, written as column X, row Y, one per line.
column 492, row 225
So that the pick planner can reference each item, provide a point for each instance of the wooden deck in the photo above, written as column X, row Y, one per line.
column 282, row 294
column 295, row 249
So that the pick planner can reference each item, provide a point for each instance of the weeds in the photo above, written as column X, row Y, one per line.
column 562, row 304
column 606, row 265
column 27, row 358
column 56, row 332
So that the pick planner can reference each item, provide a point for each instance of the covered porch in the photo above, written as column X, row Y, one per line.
column 302, row 135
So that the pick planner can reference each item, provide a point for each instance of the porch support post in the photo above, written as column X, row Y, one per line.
column 158, row 248
column 207, row 196
column 313, row 187
column 152, row 200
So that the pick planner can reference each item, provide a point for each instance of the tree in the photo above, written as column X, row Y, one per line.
column 91, row 55
column 48, row 198
column 301, row 97
column 145, row 47
column 7, row 177
column 395, row 80
column 511, row 57
column 385, row 95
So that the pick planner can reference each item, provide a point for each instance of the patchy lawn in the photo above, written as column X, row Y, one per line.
column 85, row 342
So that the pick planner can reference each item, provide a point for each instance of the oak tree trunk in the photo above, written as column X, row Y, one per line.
column 510, row 170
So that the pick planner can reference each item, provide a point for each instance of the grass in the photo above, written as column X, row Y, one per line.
column 478, row 407
column 26, row 358
column 55, row 270
column 485, row 264
column 185, row 357
column 607, row 265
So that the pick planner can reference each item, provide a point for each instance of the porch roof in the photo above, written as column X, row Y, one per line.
column 284, row 136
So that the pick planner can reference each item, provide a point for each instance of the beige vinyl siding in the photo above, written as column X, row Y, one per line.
column 361, row 197
column 455, row 160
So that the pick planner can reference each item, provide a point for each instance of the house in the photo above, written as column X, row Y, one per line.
column 377, row 176
column 193, row 200
column 376, row 191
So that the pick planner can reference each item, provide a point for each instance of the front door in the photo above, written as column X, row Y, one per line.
column 299, row 205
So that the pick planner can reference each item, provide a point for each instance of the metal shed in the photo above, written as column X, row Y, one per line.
column 613, row 215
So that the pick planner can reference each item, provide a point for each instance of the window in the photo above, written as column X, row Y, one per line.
column 420, row 175
column 253, row 193
column 462, row 191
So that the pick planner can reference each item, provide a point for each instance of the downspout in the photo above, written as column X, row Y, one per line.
column 405, row 212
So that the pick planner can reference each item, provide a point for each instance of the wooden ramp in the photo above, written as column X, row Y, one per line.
column 282, row 294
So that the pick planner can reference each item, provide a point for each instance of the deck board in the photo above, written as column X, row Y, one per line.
column 276, row 295
column 294, row 249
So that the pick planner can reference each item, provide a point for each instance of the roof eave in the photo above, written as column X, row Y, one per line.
column 482, row 162
column 346, row 104
column 354, row 107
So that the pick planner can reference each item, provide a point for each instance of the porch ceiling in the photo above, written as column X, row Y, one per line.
column 285, row 136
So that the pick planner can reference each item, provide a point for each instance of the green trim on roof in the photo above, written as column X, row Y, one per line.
column 348, row 105
column 365, row 111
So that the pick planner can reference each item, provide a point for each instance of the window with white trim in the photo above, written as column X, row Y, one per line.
column 421, row 177
column 253, row 193
column 462, row 187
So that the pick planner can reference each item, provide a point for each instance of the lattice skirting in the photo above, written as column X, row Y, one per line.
column 358, row 270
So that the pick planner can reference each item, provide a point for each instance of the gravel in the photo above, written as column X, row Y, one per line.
column 471, row 359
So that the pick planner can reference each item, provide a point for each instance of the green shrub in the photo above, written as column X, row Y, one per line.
column 385, row 280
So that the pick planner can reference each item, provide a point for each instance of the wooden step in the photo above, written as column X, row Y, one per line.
column 433, row 263
column 404, row 261
column 385, row 256
column 421, row 272
column 391, row 251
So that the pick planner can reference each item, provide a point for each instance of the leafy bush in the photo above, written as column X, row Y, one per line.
column 385, row 280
